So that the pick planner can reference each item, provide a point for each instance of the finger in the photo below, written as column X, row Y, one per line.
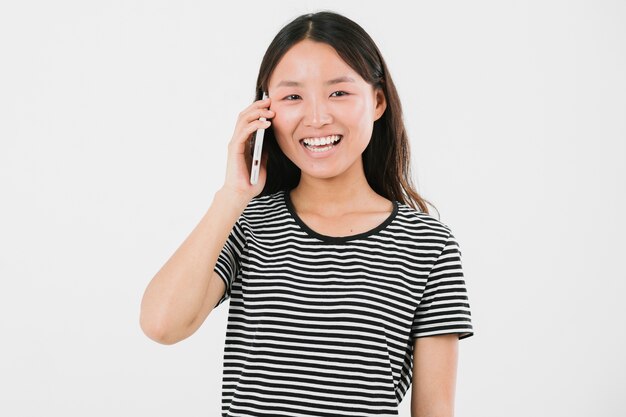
column 258, row 124
column 259, row 104
column 247, row 133
column 256, row 114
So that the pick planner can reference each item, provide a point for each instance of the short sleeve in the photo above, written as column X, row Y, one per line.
column 444, row 307
column 228, row 263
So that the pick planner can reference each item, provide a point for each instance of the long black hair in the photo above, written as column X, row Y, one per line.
column 386, row 160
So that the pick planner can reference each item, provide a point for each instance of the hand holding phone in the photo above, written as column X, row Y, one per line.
column 258, row 148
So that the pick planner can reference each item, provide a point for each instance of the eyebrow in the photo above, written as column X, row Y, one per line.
column 344, row 79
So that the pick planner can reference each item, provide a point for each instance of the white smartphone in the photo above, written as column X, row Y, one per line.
column 258, row 148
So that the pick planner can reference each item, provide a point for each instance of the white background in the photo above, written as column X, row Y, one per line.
column 114, row 121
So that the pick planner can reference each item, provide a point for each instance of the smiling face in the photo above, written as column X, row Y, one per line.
column 315, row 94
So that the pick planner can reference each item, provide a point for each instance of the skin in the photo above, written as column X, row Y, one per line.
column 333, row 196
column 332, row 188
column 434, row 376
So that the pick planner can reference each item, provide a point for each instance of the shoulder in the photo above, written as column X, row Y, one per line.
column 417, row 219
column 425, row 232
column 421, row 230
column 266, row 202
column 264, row 207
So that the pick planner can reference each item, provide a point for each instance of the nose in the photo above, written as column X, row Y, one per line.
column 316, row 114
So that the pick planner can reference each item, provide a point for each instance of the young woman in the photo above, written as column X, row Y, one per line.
column 343, row 290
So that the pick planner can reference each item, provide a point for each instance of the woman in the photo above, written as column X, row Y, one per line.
column 343, row 292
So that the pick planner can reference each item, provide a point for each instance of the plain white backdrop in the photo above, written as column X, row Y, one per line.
column 114, row 123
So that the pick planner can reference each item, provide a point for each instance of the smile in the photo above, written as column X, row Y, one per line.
column 321, row 144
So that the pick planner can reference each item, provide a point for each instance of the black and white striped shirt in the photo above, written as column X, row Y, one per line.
column 324, row 326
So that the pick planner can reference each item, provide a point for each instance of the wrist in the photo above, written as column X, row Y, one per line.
column 231, row 198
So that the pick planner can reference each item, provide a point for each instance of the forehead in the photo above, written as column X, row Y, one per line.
column 311, row 61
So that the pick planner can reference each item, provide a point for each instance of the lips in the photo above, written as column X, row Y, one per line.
column 322, row 151
column 320, row 136
column 331, row 141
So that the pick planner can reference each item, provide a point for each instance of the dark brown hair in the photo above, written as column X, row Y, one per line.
column 386, row 160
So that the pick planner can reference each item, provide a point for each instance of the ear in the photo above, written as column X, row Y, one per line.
column 381, row 103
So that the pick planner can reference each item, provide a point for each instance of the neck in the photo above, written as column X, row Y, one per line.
column 329, row 197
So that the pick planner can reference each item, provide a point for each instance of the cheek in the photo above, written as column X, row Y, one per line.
column 284, row 120
column 358, row 116
column 362, row 125
column 283, row 127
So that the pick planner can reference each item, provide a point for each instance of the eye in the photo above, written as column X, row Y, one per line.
column 343, row 93
column 291, row 95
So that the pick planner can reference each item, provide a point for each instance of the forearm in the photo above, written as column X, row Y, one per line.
column 175, row 295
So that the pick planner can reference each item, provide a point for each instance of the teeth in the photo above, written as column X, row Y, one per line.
column 321, row 141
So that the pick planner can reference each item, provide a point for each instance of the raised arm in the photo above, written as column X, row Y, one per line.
column 184, row 291
column 177, row 296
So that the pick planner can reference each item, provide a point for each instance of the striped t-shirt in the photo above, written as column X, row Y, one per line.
column 324, row 326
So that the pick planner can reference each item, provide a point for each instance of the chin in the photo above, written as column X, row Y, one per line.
column 321, row 174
